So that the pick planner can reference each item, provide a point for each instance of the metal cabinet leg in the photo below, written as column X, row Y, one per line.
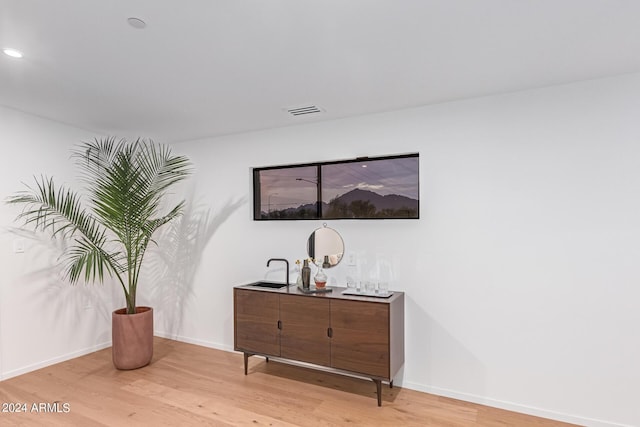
column 391, row 384
column 378, row 390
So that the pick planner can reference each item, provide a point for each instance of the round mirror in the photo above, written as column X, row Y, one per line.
column 326, row 246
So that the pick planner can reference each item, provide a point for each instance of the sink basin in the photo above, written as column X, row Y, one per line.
column 271, row 285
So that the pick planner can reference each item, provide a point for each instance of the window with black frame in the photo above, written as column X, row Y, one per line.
column 364, row 188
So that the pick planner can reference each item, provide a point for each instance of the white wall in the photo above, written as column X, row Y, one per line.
column 521, row 276
column 43, row 320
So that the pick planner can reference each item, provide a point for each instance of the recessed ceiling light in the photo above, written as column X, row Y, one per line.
column 137, row 23
column 14, row 53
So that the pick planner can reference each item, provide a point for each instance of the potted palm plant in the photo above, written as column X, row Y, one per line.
column 109, row 227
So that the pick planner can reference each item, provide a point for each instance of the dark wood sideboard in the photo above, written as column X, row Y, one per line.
column 356, row 335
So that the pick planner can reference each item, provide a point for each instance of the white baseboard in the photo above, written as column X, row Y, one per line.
column 199, row 342
column 85, row 351
column 53, row 361
column 511, row 406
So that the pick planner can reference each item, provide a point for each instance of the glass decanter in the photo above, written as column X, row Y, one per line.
column 320, row 278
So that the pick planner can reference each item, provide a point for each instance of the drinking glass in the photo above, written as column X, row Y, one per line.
column 369, row 287
column 383, row 288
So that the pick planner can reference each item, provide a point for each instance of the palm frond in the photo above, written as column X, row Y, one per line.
column 60, row 212
column 86, row 257
column 47, row 208
column 125, row 184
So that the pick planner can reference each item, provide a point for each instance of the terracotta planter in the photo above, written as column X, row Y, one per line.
column 132, row 338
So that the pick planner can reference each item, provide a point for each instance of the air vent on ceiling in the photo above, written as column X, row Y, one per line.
column 304, row 111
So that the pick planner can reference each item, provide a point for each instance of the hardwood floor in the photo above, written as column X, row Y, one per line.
column 192, row 385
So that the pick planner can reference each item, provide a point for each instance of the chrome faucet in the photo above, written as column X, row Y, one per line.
column 286, row 262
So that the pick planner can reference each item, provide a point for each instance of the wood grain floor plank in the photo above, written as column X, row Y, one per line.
column 193, row 385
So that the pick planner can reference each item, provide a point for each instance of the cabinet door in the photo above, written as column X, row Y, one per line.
column 305, row 323
column 360, row 341
column 256, row 322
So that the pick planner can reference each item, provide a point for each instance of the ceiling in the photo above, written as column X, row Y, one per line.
column 213, row 67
